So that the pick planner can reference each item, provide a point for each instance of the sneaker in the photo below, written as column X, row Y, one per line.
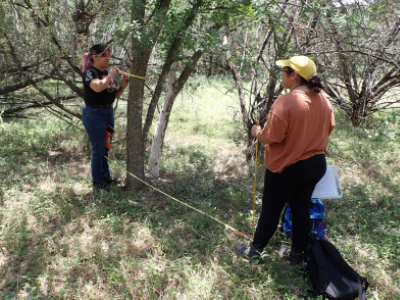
column 294, row 256
column 111, row 180
column 100, row 186
column 249, row 252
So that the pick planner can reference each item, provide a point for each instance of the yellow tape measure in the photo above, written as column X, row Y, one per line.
column 179, row 201
column 255, row 184
column 132, row 75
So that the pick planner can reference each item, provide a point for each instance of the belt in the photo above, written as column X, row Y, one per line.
column 100, row 106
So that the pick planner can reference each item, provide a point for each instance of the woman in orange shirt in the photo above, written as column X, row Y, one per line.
column 296, row 136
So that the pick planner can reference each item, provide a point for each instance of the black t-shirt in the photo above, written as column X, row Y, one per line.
column 91, row 97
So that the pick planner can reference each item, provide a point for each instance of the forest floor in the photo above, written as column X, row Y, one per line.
column 59, row 240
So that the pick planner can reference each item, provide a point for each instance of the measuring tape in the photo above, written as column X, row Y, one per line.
column 255, row 184
column 132, row 75
column 181, row 202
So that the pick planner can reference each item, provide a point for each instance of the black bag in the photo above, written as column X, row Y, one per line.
column 330, row 275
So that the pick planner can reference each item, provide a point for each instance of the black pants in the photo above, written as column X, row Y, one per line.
column 294, row 185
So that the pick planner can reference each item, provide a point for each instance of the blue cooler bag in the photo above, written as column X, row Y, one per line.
column 316, row 216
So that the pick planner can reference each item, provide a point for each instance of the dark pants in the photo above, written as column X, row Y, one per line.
column 294, row 185
column 95, row 121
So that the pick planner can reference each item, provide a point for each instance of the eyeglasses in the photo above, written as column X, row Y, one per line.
column 105, row 53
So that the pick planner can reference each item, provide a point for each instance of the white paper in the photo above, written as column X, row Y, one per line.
column 329, row 185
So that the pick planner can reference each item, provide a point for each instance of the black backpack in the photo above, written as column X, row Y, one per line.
column 330, row 274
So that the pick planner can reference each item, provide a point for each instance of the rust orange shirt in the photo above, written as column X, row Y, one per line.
column 299, row 124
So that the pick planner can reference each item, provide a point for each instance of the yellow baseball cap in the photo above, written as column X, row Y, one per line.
column 303, row 65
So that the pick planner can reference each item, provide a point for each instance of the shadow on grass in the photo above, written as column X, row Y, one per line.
column 74, row 236
column 57, row 233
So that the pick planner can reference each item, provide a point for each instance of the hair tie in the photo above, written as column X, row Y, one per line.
column 86, row 61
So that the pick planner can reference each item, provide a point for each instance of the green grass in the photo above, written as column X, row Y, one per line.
column 58, row 240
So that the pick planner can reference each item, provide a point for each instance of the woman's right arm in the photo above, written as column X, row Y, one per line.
column 256, row 131
column 99, row 85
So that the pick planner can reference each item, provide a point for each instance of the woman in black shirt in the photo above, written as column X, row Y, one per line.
column 98, row 114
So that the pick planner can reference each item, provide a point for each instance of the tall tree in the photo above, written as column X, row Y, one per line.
column 148, row 24
column 39, row 48
column 275, row 28
column 177, row 44
column 207, row 30
column 364, row 64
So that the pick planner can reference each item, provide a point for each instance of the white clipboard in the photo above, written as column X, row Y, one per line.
column 329, row 185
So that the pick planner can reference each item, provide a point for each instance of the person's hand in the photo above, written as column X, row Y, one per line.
column 113, row 71
column 125, row 81
column 255, row 130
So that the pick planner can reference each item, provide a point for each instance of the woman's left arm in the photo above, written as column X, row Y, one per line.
column 124, row 84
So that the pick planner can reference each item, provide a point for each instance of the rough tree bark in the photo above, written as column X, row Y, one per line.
column 141, row 51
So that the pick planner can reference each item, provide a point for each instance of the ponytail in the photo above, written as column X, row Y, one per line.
column 87, row 61
column 314, row 83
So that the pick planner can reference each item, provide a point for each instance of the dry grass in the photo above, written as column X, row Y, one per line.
column 60, row 241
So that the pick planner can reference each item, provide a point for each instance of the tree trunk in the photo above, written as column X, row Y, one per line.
column 141, row 55
column 134, row 133
column 161, row 127
column 171, row 56
column 174, row 88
